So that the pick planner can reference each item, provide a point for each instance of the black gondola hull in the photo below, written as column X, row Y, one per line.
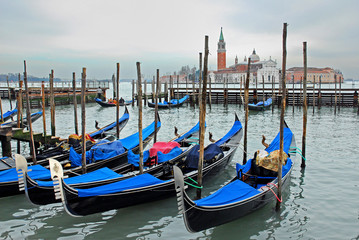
column 200, row 218
column 167, row 106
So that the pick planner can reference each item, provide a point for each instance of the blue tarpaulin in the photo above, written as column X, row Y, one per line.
column 142, row 180
column 235, row 128
column 134, row 159
column 98, row 175
column 210, row 152
column 233, row 192
column 100, row 151
column 111, row 126
column 162, row 157
column 175, row 101
column 132, row 141
column 187, row 134
column 287, row 140
column 35, row 172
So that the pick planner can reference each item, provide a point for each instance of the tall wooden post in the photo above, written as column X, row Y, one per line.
column 156, row 103
column 202, row 117
column 19, row 105
column 43, row 108
column 2, row 117
column 75, row 102
column 246, row 100
column 300, row 89
column 139, row 100
column 114, row 86
column 340, row 93
column 153, row 88
column 145, row 93
column 305, row 107
column 210, row 93
column 117, row 100
column 335, row 94
column 178, row 97
column 281, row 134
column 9, row 93
column 83, row 117
column 193, row 91
column 313, row 93
column 240, row 91
column 272, row 94
column 28, row 116
column 200, row 81
column 52, row 104
column 320, row 92
column 263, row 97
column 293, row 95
column 133, row 93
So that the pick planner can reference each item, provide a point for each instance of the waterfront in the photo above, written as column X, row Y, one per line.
column 321, row 203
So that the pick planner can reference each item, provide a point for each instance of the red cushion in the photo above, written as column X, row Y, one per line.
column 164, row 147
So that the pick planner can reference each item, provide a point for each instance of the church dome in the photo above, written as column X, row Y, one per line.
column 254, row 57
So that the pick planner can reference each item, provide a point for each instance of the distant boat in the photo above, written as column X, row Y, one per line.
column 8, row 115
column 171, row 104
column 34, row 117
column 260, row 106
column 111, row 104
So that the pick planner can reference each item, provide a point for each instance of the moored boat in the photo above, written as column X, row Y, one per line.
column 147, row 187
column 251, row 189
column 260, row 106
column 171, row 104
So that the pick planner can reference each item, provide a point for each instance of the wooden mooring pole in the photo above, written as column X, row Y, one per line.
column 52, row 104
column 43, row 109
column 305, row 107
column 2, row 117
column 28, row 116
column 202, row 118
column 19, row 112
column 246, row 110
column 83, row 118
column 9, row 93
column 210, row 93
column 156, row 103
column 313, row 94
column 293, row 95
column 117, row 100
column 75, row 102
column 281, row 134
column 335, row 94
column 133, row 93
column 139, row 100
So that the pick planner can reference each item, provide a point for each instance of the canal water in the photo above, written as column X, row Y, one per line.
column 322, row 201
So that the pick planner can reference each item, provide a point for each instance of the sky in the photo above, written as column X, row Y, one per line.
column 67, row 35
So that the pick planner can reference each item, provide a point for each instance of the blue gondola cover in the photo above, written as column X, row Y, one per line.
column 210, row 152
column 98, row 175
column 35, row 172
column 134, row 159
column 142, row 180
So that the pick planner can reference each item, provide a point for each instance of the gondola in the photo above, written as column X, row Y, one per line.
column 9, row 178
column 172, row 104
column 8, row 115
column 42, row 192
column 60, row 153
column 34, row 117
column 149, row 186
column 260, row 106
column 245, row 193
column 109, row 104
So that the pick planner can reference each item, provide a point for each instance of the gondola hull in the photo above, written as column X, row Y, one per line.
column 198, row 218
column 77, row 205
column 89, row 205
column 107, row 104
column 258, row 108
column 165, row 106
column 236, row 199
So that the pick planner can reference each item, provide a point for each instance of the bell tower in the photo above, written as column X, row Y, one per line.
column 221, row 53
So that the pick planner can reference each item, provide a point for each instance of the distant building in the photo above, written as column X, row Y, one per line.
column 166, row 78
column 326, row 75
column 234, row 73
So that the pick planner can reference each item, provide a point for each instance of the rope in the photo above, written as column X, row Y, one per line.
column 280, row 200
column 192, row 184
column 299, row 154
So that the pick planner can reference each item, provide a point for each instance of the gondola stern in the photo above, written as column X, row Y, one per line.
column 57, row 174
column 21, row 169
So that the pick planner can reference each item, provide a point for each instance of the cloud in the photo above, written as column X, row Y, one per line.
column 68, row 35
